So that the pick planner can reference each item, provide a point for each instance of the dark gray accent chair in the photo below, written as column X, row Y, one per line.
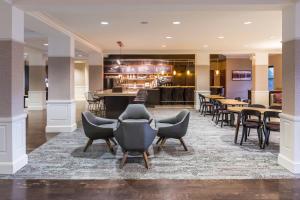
column 135, row 136
column 174, row 127
column 96, row 128
column 134, row 113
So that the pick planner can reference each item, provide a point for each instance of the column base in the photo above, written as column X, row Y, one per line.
column 61, row 116
column 36, row 100
column 13, row 144
column 289, row 156
column 197, row 102
column 260, row 97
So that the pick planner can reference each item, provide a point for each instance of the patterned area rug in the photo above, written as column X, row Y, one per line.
column 212, row 155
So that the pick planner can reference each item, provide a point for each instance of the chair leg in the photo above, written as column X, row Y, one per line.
column 124, row 159
column 109, row 146
column 248, row 132
column 89, row 143
column 163, row 141
column 113, row 141
column 146, row 159
column 222, row 120
column 243, row 135
column 158, row 141
column 183, row 144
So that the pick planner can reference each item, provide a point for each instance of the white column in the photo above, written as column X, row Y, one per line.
column 61, row 106
column 37, row 75
column 289, row 156
column 260, row 88
column 12, row 116
column 202, row 76
column 95, row 71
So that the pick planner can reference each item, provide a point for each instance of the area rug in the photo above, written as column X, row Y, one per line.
column 212, row 155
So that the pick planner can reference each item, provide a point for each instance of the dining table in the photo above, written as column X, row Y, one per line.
column 238, row 111
column 232, row 102
column 214, row 97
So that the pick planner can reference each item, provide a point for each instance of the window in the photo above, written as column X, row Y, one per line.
column 271, row 78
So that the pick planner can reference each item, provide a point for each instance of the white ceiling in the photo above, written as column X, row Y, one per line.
column 202, row 21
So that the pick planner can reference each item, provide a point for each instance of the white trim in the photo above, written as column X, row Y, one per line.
column 13, row 167
column 61, row 116
column 13, row 119
column 36, row 100
column 289, row 156
column 60, row 101
column 290, row 117
column 289, row 164
column 13, row 144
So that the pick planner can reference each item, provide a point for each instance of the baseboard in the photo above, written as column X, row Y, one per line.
column 59, row 129
column 13, row 167
column 288, row 164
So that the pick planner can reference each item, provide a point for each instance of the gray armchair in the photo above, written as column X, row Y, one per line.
column 96, row 128
column 136, row 112
column 174, row 127
column 135, row 136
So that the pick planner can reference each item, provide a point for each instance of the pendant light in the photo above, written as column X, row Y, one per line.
column 120, row 44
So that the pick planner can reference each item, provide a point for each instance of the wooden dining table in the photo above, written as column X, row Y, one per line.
column 238, row 111
column 232, row 102
column 214, row 97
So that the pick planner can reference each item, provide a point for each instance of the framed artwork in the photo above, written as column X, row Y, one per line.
column 241, row 75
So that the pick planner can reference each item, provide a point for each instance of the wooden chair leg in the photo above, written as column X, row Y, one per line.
column 183, row 144
column 163, row 141
column 89, row 143
column 158, row 141
column 146, row 159
column 109, row 146
column 113, row 141
column 124, row 159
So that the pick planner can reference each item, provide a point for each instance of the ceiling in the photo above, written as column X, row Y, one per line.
column 202, row 21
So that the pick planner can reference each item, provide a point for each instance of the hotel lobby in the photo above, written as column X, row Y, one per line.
column 149, row 99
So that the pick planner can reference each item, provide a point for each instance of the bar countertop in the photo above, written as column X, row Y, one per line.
column 109, row 93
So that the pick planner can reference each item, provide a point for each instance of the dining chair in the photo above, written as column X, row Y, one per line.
column 275, row 107
column 269, row 124
column 249, row 124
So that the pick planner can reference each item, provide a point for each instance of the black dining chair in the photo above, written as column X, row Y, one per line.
column 270, row 125
column 238, row 98
column 275, row 107
column 206, row 107
column 257, row 106
column 223, row 113
column 249, row 124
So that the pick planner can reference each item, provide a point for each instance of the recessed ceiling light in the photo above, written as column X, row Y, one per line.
column 205, row 46
column 221, row 37
column 163, row 46
column 247, row 23
column 46, row 44
column 169, row 37
column 176, row 23
column 104, row 23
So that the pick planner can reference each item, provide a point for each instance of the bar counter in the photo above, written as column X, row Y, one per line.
column 116, row 102
column 109, row 93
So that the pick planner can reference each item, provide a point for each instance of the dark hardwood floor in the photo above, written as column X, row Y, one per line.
column 138, row 189
column 151, row 189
